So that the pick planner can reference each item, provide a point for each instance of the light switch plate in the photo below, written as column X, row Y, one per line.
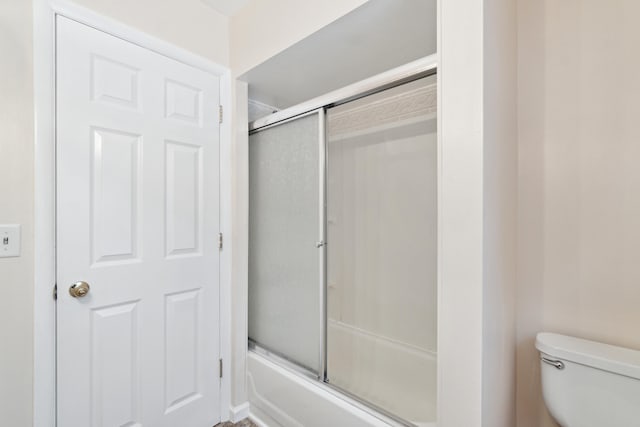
column 9, row 240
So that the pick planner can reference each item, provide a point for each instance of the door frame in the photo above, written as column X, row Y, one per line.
column 44, row 306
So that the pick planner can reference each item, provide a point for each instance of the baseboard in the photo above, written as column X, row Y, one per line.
column 239, row 413
column 257, row 420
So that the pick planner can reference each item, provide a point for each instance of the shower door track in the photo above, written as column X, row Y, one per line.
column 395, row 77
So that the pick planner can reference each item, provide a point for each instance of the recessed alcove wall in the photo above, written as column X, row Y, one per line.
column 373, row 38
column 477, row 174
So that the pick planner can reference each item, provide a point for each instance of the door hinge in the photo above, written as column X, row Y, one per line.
column 220, row 241
column 55, row 291
column 220, row 113
column 220, row 368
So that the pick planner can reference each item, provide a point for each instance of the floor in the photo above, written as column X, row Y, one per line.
column 243, row 423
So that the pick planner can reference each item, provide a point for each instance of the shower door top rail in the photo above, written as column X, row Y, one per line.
column 403, row 74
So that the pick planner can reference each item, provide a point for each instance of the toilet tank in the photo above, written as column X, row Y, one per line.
column 589, row 384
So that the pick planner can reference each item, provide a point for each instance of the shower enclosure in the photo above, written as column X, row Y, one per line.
column 343, row 243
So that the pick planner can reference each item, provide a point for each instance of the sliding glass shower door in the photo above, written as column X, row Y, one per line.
column 355, row 305
column 286, row 234
column 382, row 246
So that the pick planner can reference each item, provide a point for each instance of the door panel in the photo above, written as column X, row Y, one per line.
column 114, row 365
column 182, row 347
column 115, row 190
column 184, row 198
column 137, row 219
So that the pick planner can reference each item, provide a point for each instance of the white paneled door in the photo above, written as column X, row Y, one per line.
column 137, row 220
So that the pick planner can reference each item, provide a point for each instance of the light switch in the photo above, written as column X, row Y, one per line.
column 9, row 240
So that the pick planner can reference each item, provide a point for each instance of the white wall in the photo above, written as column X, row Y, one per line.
column 477, row 131
column 264, row 28
column 460, row 214
column 579, row 183
column 240, row 238
column 189, row 24
column 16, row 206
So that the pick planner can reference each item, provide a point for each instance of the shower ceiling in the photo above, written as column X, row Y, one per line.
column 375, row 37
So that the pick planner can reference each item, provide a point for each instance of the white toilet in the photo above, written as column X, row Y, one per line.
column 589, row 384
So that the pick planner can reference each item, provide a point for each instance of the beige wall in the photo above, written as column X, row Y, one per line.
column 579, row 183
column 266, row 27
column 500, row 213
column 189, row 24
column 16, row 206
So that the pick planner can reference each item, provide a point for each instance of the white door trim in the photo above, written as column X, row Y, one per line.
column 44, row 13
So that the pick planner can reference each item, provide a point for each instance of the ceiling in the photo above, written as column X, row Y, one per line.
column 377, row 36
column 227, row 7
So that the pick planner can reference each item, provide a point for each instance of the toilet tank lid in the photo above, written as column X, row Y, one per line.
column 619, row 360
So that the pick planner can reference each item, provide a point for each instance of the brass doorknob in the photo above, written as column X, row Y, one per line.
column 79, row 289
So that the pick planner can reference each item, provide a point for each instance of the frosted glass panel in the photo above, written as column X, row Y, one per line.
column 381, row 234
column 284, row 226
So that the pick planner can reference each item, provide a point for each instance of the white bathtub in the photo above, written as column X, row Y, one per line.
column 280, row 397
